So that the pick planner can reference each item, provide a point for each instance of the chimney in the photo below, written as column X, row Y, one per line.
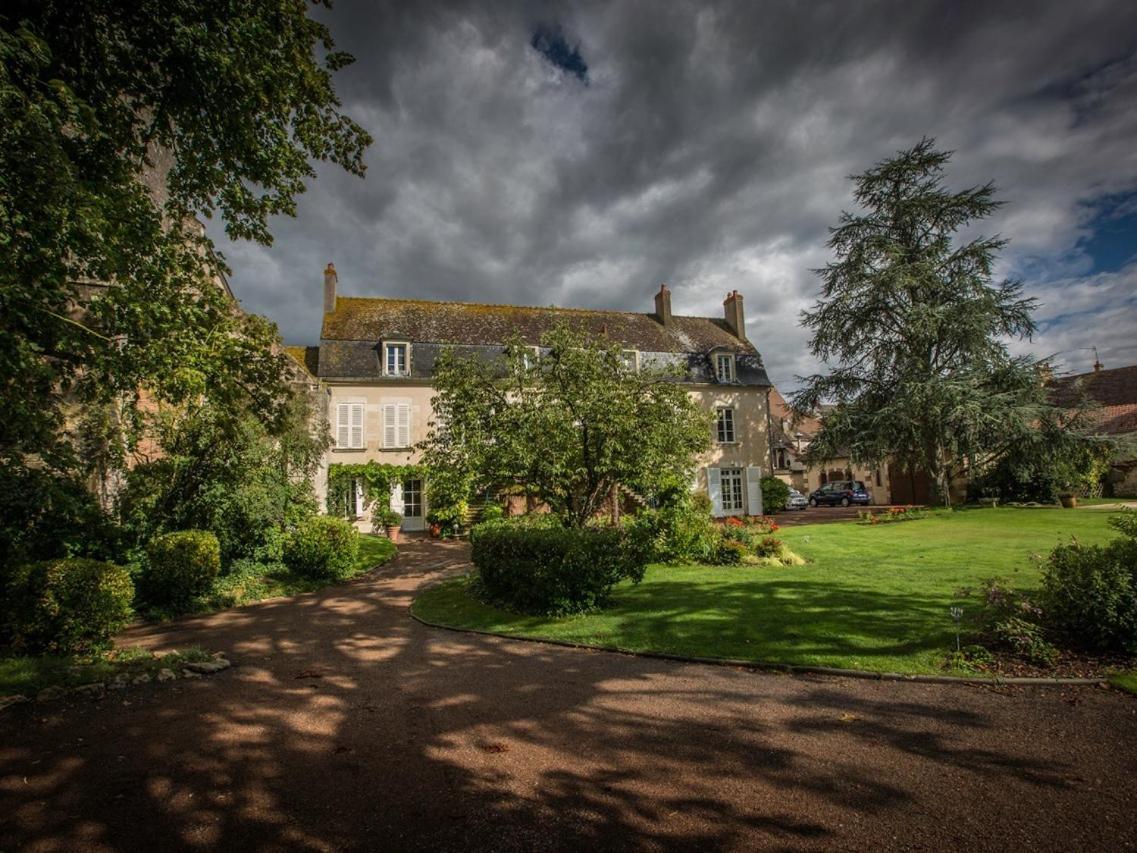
column 1097, row 361
column 330, row 281
column 663, row 305
column 732, row 307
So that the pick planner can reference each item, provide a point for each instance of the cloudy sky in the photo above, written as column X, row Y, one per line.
column 581, row 153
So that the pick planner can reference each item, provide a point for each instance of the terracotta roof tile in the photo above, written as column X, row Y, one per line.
column 1115, row 387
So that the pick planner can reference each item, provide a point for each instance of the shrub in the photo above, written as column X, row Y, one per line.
column 768, row 546
column 685, row 531
column 180, row 566
column 1025, row 639
column 68, row 606
column 1090, row 593
column 541, row 567
column 775, row 494
column 322, row 547
column 730, row 552
column 493, row 512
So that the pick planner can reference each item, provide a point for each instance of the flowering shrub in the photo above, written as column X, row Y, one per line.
column 768, row 546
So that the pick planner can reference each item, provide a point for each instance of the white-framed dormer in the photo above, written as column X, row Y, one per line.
column 530, row 356
column 349, row 422
column 630, row 360
column 396, row 358
column 724, row 364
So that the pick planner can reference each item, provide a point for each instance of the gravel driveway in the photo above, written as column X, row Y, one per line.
column 344, row 724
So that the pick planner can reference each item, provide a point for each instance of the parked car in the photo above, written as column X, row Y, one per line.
column 841, row 492
column 797, row 500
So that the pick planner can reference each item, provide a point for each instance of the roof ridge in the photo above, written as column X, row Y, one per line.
column 512, row 305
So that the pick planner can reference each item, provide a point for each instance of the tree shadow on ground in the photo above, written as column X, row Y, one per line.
column 345, row 724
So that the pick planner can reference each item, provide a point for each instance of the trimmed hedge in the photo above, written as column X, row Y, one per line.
column 180, row 566
column 322, row 548
column 543, row 568
column 775, row 495
column 67, row 606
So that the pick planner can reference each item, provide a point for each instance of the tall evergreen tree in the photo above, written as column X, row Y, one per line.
column 914, row 329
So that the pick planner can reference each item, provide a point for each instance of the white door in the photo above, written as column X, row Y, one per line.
column 414, row 518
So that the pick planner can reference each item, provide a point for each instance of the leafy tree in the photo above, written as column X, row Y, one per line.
column 569, row 425
column 120, row 123
column 914, row 329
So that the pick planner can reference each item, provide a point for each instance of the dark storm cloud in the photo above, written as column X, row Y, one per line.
column 550, row 42
column 710, row 150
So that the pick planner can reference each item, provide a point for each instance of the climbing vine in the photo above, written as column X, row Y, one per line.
column 375, row 478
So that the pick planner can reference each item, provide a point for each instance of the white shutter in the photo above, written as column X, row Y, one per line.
column 357, row 425
column 397, row 497
column 390, row 433
column 753, row 490
column 403, row 413
column 714, row 489
column 343, row 435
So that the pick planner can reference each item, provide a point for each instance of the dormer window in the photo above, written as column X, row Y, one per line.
column 724, row 367
column 630, row 359
column 530, row 356
column 396, row 358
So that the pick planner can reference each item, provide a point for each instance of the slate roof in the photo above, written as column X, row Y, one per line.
column 306, row 357
column 352, row 334
column 1115, row 390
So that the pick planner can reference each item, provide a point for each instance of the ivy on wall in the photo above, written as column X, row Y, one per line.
column 375, row 478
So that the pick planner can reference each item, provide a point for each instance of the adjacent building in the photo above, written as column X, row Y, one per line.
column 1113, row 393
column 376, row 358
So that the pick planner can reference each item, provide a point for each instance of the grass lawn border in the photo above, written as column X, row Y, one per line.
column 762, row 666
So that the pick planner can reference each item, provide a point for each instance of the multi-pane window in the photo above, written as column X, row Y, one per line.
column 412, row 498
column 724, row 427
column 530, row 356
column 349, row 426
column 630, row 360
column 724, row 367
column 395, row 359
column 396, row 425
column 732, row 497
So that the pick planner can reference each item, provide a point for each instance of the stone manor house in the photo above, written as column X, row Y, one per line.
column 376, row 357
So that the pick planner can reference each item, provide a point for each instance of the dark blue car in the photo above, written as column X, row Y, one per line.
column 841, row 493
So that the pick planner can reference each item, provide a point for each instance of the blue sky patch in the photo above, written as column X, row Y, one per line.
column 550, row 42
column 1113, row 243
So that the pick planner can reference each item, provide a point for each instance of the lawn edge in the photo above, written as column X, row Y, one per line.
column 762, row 666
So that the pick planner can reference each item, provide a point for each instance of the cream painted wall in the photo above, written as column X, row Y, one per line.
column 749, row 448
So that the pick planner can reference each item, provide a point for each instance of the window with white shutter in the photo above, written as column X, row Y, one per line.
column 349, row 426
column 396, row 425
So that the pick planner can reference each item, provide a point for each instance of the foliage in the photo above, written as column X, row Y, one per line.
column 768, row 546
column 67, row 606
column 775, row 494
column 180, row 566
column 225, row 472
column 729, row 552
column 1025, row 639
column 120, row 122
column 1091, row 590
column 682, row 530
column 915, row 330
column 385, row 517
column 322, row 547
column 493, row 512
column 570, row 425
column 374, row 478
column 1060, row 456
column 542, row 567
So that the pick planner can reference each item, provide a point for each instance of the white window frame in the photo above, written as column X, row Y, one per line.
column 530, row 356
column 721, row 435
column 387, row 347
column 351, row 425
column 733, row 491
column 724, row 367
column 395, row 431
column 632, row 364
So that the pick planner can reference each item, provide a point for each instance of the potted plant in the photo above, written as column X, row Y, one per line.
column 390, row 521
column 1069, row 501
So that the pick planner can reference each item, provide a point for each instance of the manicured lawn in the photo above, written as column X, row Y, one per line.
column 874, row 598
column 1126, row 682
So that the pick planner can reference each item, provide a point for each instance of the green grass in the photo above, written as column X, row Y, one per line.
column 1126, row 682
column 28, row 675
column 871, row 597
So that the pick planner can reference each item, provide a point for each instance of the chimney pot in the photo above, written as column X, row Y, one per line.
column 330, row 282
column 663, row 305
